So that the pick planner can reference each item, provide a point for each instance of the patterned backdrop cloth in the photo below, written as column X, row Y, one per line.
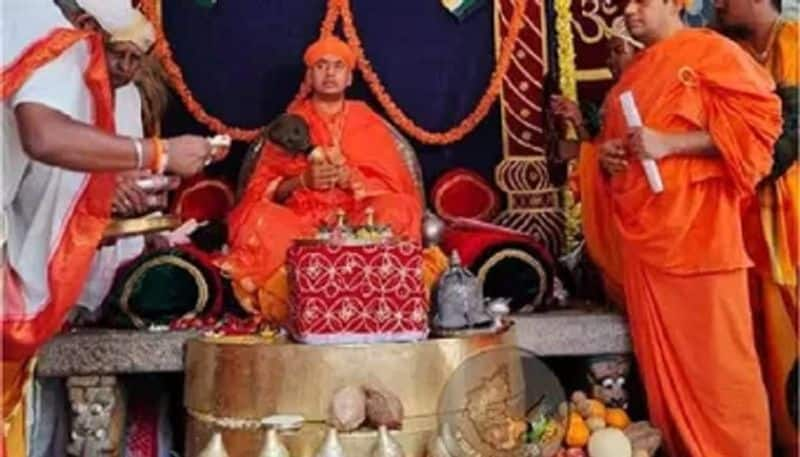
column 533, row 202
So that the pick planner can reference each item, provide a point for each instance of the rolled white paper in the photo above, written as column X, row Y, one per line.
column 633, row 120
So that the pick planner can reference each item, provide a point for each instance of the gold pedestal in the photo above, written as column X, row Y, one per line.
column 233, row 384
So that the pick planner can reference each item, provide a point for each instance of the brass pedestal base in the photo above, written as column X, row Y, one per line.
column 232, row 385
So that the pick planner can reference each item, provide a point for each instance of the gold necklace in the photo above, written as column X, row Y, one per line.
column 762, row 56
column 334, row 122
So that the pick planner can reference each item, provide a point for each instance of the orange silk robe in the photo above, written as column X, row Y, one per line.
column 684, row 261
column 602, row 241
column 772, row 228
column 261, row 230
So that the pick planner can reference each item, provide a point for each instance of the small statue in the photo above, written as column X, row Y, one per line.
column 459, row 299
column 607, row 376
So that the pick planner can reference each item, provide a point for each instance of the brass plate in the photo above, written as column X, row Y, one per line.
column 121, row 228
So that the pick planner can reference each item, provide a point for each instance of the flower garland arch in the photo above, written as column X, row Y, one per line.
column 340, row 9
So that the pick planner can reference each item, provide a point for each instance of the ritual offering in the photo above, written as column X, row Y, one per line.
column 227, row 325
column 152, row 220
column 348, row 409
column 284, row 422
column 593, row 430
column 220, row 141
column 217, row 142
column 384, row 409
column 356, row 285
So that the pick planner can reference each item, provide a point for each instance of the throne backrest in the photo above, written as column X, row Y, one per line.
column 409, row 158
column 404, row 147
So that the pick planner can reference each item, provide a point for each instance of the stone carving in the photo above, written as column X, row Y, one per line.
column 95, row 403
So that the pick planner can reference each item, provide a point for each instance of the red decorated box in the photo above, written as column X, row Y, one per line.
column 356, row 294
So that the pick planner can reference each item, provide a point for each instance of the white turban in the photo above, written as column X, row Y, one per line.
column 122, row 21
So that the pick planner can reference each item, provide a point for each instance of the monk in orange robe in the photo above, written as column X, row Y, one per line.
column 771, row 219
column 587, row 182
column 710, row 119
column 290, row 195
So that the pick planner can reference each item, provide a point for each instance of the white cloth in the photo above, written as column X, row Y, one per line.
column 128, row 118
column 37, row 198
column 24, row 21
column 21, row 23
column 122, row 21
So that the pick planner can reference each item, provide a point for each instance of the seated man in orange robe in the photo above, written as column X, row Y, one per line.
column 710, row 121
column 290, row 196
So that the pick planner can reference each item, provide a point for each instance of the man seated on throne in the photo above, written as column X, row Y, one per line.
column 356, row 166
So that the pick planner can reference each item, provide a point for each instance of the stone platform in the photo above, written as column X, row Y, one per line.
column 91, row 360
column 109, row 352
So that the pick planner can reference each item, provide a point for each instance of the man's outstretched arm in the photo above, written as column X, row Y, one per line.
column 51, row 137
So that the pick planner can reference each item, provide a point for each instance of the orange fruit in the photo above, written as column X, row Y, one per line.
column 617, row 418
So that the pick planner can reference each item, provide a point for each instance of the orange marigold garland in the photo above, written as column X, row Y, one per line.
column 400, row 118
column 175, row 76
column 335, row 9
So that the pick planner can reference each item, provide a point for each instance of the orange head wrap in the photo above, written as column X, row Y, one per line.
column 684, row 3
column 329, row 45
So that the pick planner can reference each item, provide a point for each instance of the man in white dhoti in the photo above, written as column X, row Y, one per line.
column 58, row 139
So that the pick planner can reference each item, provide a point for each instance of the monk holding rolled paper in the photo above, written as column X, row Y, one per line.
column 710, row 119
column 354, row 165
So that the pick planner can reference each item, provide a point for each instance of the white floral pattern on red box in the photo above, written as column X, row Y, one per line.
column 356, row 294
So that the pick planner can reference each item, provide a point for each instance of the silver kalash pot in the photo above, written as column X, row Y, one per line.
column 459, row 299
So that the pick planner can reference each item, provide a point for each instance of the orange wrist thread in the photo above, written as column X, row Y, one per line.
column 157, row 158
